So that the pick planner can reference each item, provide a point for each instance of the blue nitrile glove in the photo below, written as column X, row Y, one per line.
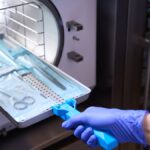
column 124, row 125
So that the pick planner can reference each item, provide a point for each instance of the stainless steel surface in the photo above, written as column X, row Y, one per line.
column 23, row 25
column 39, row 85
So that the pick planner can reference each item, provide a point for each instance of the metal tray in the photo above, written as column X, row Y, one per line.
column 29, row 87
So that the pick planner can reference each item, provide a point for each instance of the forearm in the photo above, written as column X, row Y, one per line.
column 146, row 126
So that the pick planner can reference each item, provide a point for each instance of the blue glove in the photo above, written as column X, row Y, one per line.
column 124, row 125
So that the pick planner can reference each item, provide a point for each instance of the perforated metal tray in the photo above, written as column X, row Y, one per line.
column 44, row 83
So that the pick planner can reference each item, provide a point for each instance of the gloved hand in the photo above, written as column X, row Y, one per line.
column 124, row 125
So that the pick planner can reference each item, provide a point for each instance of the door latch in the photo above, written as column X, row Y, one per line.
column 73, row 25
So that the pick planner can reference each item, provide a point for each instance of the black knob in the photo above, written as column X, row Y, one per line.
column 75, row 56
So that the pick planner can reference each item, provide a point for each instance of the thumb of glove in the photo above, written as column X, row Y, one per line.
column 74, row 122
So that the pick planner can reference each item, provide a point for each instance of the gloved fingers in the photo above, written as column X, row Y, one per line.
column 96, row 109
column 92, row 141
column 86, row 134
column 74, row 122
column 79, row 130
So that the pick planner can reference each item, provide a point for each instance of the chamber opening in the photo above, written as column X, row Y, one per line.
column 33, row 25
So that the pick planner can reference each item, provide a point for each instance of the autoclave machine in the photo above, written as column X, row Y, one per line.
column 37, row 39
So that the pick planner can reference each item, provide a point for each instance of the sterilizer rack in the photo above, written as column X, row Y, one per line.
column 10, row 15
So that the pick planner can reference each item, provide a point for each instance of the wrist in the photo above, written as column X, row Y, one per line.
column 146, row 127
column 134, row 121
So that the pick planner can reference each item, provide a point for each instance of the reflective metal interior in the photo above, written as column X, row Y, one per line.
column 31, row 25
